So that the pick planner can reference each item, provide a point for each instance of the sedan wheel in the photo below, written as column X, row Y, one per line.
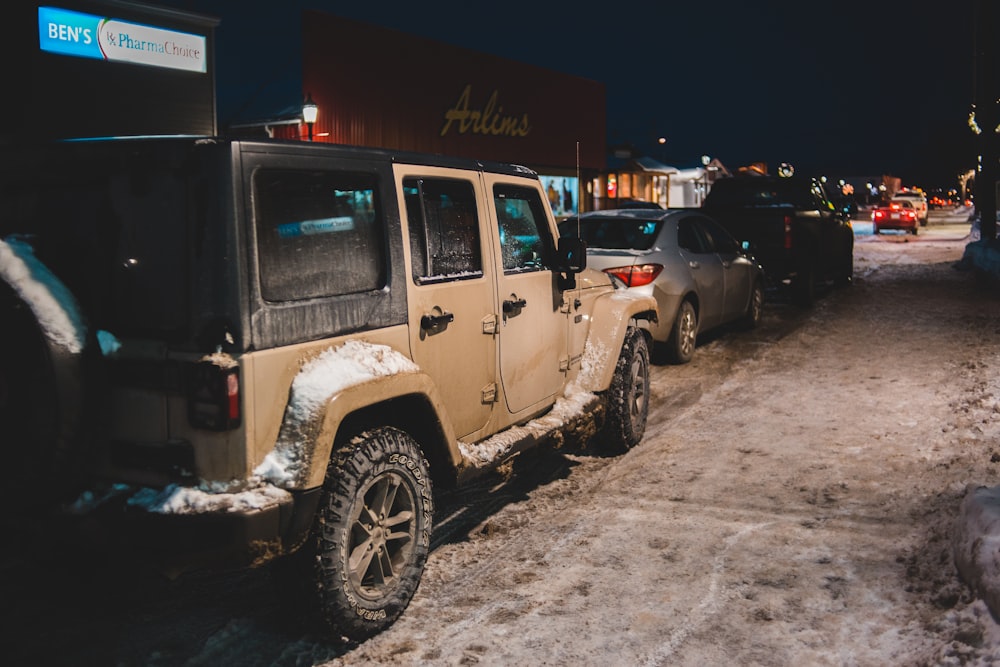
column 755, row 309
column 685, row 334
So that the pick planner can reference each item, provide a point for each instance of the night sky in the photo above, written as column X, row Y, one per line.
column 852, row 88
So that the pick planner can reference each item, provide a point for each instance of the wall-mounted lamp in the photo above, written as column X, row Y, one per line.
column 309, row 113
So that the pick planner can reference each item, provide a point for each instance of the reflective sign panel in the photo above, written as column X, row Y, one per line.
column 70, row 33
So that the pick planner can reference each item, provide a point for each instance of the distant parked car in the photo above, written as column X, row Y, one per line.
column 896, row 215
column 697, row 271
column 791, row 226
column 919, row 201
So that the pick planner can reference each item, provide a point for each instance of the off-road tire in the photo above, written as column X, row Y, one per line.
column 628, row 395
column 377, row 507
column 684, row 335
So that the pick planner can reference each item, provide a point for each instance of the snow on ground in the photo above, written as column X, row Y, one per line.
column 797, row 500
column 799, row 509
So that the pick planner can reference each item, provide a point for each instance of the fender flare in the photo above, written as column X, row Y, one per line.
column 616, row 311
column 313, row 440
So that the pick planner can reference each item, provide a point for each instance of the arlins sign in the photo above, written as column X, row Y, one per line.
column 70, row 33
column 488, row 121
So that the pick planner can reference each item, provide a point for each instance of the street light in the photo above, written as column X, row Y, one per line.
column 309, row 113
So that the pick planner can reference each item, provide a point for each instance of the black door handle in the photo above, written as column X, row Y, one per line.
column 434, row 322
column 510, row 305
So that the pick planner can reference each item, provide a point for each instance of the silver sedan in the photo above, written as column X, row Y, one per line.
column 699, row 274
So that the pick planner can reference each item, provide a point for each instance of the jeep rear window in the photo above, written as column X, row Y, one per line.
column 319, row 233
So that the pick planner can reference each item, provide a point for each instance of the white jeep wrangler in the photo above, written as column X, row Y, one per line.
column 234, row 351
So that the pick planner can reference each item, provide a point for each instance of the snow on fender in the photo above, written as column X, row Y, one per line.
column 610, row 319
column 335, row 370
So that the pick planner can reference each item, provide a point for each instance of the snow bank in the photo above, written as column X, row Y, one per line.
column 976, row 544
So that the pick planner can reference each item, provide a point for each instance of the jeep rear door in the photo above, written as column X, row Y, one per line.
column 452, row 299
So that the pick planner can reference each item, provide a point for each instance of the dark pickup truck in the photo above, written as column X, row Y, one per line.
column 791, row 227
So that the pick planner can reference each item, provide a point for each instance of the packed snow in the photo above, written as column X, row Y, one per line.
column 799, row 498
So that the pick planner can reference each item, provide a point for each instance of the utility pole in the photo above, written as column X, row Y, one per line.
column 987, row 115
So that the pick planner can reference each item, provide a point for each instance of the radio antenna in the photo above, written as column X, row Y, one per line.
column 579, row 188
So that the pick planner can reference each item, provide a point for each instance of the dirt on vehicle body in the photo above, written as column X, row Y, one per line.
column 252, row 350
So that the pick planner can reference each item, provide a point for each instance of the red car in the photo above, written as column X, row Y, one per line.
column 895, row 215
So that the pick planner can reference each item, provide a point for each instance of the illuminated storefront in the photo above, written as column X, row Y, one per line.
column 109, row 68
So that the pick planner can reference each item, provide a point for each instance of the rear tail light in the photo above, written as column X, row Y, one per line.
column 878, row 215
column 636, row 275
column 214, row 396
column 788, row 232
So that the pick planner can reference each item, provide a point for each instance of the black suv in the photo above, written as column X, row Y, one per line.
column 791, row 226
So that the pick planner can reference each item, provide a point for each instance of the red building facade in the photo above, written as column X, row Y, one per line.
column 388, row 89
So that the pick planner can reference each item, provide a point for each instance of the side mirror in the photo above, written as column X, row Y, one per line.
column 571, row 255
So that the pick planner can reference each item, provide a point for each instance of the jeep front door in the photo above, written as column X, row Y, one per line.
column 532, row 320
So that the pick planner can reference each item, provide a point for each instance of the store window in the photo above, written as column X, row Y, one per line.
column 563, row 194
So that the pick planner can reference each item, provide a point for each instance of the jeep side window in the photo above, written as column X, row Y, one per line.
column 444, row 229
column 319, row 233
column 525, row 241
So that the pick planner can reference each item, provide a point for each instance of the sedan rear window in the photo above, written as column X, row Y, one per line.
column 613, row 233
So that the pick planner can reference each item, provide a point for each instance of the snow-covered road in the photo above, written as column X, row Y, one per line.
column 791, row 504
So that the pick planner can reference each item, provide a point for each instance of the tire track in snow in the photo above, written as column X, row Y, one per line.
column 709, row 605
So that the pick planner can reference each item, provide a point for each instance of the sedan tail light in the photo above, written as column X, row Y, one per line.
column 636, row 275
